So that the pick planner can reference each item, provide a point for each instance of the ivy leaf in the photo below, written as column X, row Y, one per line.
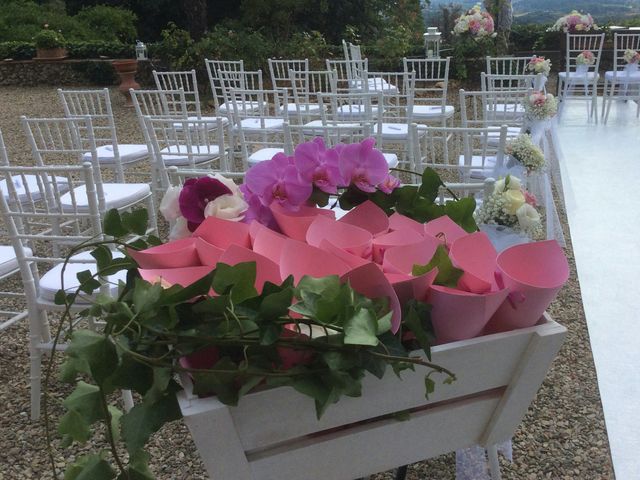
column 461, row 212
column 95, row 354
column 146, row 295
column 448, row 275
column 416, row 319
column 146, row 418
column 431, row 184
column 361, row 329
column 276, row 304
column 222, row 383
column 132, row 375
column 74, row 427
column 116, row 414
column 113, row 224
column 90, row 467
column 118, row 264
column 136, row 221
column 269, row 333
column 237, row 281
column 319, row 198
column 177, row 294
column 429, row 386
column 384, row 323
column 138, row 468
column 103, row 256
column 87, row 283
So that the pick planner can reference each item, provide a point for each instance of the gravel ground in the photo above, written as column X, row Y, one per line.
column 562, row 436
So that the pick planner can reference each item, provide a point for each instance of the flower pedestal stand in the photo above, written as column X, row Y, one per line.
column 274, row 434
column 126, row 70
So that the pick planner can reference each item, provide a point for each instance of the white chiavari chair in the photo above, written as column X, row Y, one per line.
column 280, row 78
column 214, row 67
column 305, row 86
column 623, row 82
column 431, row 87
column 480, row 109
column 158, row 104
column 507, row 65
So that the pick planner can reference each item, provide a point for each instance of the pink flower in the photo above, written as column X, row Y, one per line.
column 277, row 180
column 317, row 165
column 530, row 198
column 195, row 195
column 362, row 165
column 474, row 26
column 389, row 184
column 257, row 211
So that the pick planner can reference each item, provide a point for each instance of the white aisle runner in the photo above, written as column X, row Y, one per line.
column 601, row 180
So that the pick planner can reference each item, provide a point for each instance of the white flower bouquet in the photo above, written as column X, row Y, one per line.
column 574, row 22
column 586, row 57
column 512, row 206
column 631, row 56
column 540, row 106
column 475, row 23
column 539, row 65
column 527, row 153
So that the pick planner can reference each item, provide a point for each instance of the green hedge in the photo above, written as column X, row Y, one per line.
column 27, row 50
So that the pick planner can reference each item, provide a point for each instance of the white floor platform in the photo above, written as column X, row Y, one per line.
column 601, row 179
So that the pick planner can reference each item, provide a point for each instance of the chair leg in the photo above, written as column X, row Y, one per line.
column 609, row 102
column 604, row 100
column 494, row 464
column 153, row 214
column 35, row 375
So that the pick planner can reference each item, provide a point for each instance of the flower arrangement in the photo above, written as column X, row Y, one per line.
column 527, row 153
column 539, row 65
column 574, row 22
column 586, row 57
column 475, row 23
column 540, row 106
column 631, row 56
column 512, row 206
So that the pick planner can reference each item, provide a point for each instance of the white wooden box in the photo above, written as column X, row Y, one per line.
column 274, row 434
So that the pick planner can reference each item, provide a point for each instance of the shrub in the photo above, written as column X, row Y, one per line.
column 17, row 50
column 109, row 23
column 49, row 39
column 396, row 42
column 311, row 45
column 100, row 49
column 228, row 42
column 176, row 49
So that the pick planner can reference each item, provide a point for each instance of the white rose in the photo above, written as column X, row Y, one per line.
column 228, row 207
column 179, row 229
column 230, row 184
column 528, row 217
column 169, row 206
column 514, row 183
column 499, row 186
column 514, row 199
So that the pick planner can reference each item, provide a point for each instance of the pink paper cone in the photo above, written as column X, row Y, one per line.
column 397, row 221
column 175, row 276
column 352, row 239
column 394, row 239
column 299, row 259
column 207, row 253
column 475, row 254
column 408, row 287
column 176, row 254
column 458, row 315
column 223, row 233
column 268, row 243
column 533, row 273
column 402, row 259
column 371, row 282
column 445, row 229
column 295, row 224
column 266, row 270
column 368, row 216
column 351, row 260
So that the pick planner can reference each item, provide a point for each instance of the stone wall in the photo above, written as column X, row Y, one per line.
column 98, row 72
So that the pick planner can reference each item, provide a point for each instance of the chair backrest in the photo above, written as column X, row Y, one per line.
column 305, row 86
column 464, row 190
column 350, row 107
column 331, row 134
column 187, row 143
column 95, row 104
column 345, row 50
column 431, row 80
column 398, row 93
column 621, row 43
column 505, row 83
column 507, row 65
column 214, row 67
column 349, row 73
column 237, row 80
column 158, row 104
column 485, row 109
column 185, row 81
column 279, row 70
column 64, row 142
column 258, row 104
column 578, row 43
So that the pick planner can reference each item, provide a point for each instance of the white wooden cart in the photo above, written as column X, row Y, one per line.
column 274, row 434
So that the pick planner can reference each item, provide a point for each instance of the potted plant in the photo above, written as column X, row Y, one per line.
column 126, row 70
column 50, row 45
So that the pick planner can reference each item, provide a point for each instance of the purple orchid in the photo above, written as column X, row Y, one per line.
column 318, row 165
column 195, row 194
column 389, row 184
column 257, row 211
column 277, row 180
column 362, row 165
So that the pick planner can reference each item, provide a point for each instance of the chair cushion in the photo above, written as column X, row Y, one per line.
column 376, row 84
column 171, row 155
column 251, row 105
column 116, row 195
column 316, row 127
column 393, row 131
column 8, row 260
column 262, row 124
column 392, row 159
column 304, row 108
column 263, row 154
column 128, row 153
column 50, row 282
column 483, row 171
column 432, row 111
column 212, row 122
column 623, row 77
column 354, row 111
column 32, row 185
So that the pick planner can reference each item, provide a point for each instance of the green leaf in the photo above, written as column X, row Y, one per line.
column 429, row 386
column 138, row 468
column 448, row 275
column 90, row 467
column 60, row 297
column 146, row 418
column 136, row 221
column 116, row 414
column 461, row 212
column 74, row 425
column 222, row 383
column 132, row 375
column 340, row 360
column 416, row 318
column 402, row 416
column 238, row 281
column 87, row 283
column 361, row 328
column 113, row 224
column 276, row 304
column 431, row 184
column 118, row 264
column 103, row 256
column 319, row 198
column 95, row 354
column 270, row 333
column 177, row 294
column 146, row 295
column 384, row 323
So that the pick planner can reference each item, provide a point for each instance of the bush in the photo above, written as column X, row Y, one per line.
column 311, row 45
column 109, row 24
column 176, row 49
column 225, row 42
column 100, row 49
column 396, row 42
column 46, row 39
column 17, row 50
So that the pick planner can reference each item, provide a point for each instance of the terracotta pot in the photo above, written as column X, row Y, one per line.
column 126, row 70
column 50, row 54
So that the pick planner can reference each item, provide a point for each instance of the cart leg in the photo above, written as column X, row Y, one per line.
column 494, row 465
column 401, row 473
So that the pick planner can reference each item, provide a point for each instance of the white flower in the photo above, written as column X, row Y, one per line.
column 230, row 184
column 500, row 185
column 179, row 229
column 528, row 217
column 228, row 207
column 169, row 206
column 514, row 183
column 514, row 199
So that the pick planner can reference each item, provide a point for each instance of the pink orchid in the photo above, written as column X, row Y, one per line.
column 362, row 165
column 530, row 198
column 257, row 211
column 389, row 184
column 195, row 195
column 277, row 180
column 318, row 165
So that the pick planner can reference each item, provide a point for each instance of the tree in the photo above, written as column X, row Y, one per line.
column 502, row 13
